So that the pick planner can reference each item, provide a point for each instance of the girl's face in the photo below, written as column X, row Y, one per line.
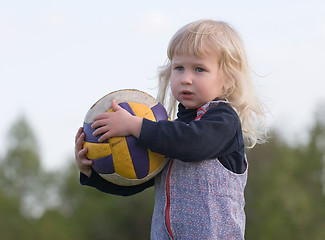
column 195, row 80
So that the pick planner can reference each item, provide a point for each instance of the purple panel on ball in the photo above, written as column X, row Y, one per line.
column 104, row 165
column 127, row 107
column 139, row 156
column 89, row 134
column 159, row 112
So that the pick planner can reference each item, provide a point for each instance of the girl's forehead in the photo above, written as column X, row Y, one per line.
column 192, row 59
column 193, row 51
column 190, row 50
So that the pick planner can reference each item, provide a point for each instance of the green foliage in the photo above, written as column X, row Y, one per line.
column 22, row 161
column 36, row 204
column 102, row 216
column 284, row 195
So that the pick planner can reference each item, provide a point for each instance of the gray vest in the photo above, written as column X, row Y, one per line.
column 198, row 200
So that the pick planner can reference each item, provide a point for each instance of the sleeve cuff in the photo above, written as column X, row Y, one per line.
column 89, row 181
column 147, row 130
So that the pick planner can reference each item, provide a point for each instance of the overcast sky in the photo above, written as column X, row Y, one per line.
column 58, row 57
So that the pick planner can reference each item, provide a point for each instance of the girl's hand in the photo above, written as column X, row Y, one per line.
column 83, row 163
column 119, row 123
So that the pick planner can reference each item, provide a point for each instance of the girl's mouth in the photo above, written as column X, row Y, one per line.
column 187, row 94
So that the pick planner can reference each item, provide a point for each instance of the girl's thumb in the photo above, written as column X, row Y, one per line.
column 115, row 106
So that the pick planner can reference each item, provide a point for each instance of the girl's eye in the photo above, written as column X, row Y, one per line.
column 179, row 68
column 199, row 69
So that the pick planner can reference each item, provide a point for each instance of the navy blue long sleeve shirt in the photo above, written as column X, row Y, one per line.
column 217, row 134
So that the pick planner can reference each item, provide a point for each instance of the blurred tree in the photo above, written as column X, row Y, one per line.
column 22, row 160
column 20, row 167
column 284, row 192
column 17, row 170
column 11, row 224
column 102, row 216
column 70, row 210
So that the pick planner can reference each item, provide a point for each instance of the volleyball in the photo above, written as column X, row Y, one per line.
column 121, row 160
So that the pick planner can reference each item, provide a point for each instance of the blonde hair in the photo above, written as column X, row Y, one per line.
column 216, row 37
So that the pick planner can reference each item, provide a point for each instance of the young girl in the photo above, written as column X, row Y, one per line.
column 200, row 193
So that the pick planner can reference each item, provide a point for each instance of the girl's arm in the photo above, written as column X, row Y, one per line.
column 217, row 134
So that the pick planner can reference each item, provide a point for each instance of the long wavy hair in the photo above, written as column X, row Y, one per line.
column 205, row 37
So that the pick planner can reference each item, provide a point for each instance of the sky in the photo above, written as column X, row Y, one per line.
column 59, row 57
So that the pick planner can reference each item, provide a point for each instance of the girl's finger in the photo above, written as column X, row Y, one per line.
column 80, row 131
column 87, row 162
column 82, row 152
column 80, row 140
column 100, row 130
column 97, row 123
column 100, row 116
column 115, row 106
column 104, row 137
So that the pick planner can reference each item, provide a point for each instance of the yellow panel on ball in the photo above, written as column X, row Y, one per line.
column 143, row 111
column 122, row 161
column 154, row 165
column 97, row 150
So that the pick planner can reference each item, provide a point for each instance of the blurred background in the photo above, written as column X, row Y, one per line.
column 58, row 57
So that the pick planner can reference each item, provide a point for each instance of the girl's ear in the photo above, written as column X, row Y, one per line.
column 228, row 87
column 227, row 81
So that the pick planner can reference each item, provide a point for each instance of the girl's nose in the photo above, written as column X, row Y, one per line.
column 186, row 78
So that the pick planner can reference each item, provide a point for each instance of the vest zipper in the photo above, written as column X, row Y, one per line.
column 167, row 210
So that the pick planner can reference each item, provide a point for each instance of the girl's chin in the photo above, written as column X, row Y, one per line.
column 190, row 106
